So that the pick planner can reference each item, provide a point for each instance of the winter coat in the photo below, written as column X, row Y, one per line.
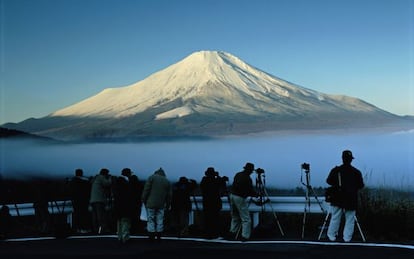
column 123, row 198
column 100, row 189
column 243, row 185
column 351, row 183
column 157, row 191
column 181, row 196
column 80, row 189
column 211, row 191
column 137, row 187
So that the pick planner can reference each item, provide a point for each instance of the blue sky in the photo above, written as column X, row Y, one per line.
column 55, row 53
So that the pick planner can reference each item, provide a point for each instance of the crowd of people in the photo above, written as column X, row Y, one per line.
column 106, row 203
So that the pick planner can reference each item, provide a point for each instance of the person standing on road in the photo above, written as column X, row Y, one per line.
column 348, row 181
column 80, row 189
column 100, row 191
column 156, row 196
column 212, row 186
column 181, row 204
column 124, row 204
column 241, row 189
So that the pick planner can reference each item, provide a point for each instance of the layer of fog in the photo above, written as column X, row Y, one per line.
column 384, row 159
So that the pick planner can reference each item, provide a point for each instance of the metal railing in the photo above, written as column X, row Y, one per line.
column 283, row 204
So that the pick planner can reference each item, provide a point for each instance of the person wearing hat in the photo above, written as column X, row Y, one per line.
column 211, row 186
column 348, row 180
column 241, row 188
column 181, row 204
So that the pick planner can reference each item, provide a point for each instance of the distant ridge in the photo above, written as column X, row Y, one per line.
column 11, row 133
column 207, row 94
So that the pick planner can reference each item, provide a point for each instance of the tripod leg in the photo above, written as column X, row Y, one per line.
column 278, row 224
column 274, row 214
column 324, row 225
column 360, row 230
column 238, row 232
column 317, row 199
column 303, row 223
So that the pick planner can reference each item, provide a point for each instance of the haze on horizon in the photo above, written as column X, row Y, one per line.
column 385, row 159
column 361, row 49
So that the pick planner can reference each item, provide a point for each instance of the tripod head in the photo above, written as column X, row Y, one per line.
column 260, row 178
column 261, row 198
column 305, row 169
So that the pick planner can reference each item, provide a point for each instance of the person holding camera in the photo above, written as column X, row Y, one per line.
column 347, row 181
column 181, row 204
column 241, row 189
column 212, row 186
column 80, row 189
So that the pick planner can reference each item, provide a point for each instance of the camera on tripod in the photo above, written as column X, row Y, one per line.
column 305, row 167
column 305, row 175
column 260, row 171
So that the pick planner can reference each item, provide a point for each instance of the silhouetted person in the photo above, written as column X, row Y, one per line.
column 100, row 193
column 80, row 189
column 241, row 188
column 6, row 222
column 41, row 207
column 123, row 204
column 348, row 180
column 181, row 204
column 211, row 186
column 137, row 188
column 156, row 197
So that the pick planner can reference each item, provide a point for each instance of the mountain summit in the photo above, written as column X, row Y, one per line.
column 207, row 93
column 205, row 81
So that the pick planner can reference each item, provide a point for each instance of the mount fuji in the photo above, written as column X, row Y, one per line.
column 208, row 93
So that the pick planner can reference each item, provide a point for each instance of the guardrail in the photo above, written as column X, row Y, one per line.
column 290, row 204
column 283, row 204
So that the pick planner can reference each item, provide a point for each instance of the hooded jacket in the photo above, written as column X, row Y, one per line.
column 157, row 191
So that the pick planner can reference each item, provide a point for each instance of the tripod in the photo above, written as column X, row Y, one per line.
column 326, row 220
column 263, row 198
column 309, row 190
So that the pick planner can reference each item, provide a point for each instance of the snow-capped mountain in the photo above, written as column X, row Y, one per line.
column 207, row 93
column 205, row 82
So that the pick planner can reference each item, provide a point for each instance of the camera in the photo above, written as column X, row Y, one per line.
column 224, row 178
column 306, row 166
column 260, row 171
column 221, row 178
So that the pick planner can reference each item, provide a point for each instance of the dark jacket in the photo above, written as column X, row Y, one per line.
column 243, row 185
column 351, row 183
column 80, row 189
column 136, row 193
column 123, row 198
column 211, row 187
column 181, row 196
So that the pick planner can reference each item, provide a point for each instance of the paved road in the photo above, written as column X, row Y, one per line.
column 139, row 247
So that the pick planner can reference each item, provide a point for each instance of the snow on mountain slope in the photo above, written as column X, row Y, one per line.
column 174, row 113
column 205, row 76
column 208, row 93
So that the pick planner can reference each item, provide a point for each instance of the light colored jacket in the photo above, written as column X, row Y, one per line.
column 100, row 188
column 157, row 191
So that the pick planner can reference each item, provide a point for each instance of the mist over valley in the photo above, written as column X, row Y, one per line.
column 385, row 159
